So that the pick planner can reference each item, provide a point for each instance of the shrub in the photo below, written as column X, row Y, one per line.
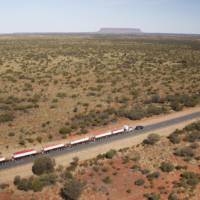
column 4, row 186
column 154, row 110
column 72, row 189
column 37, row 185
column 24, row 184
column 172, row 196
column 192, row 127
column 48, row 179
column 139, row 182
column 192, row 136
column 39, row 139
column 174, row 138
column 110, row 154
column 152, row 196
column 167, row 167
column 190, row 178
column 107, row 180
column 43, row 165
column 67, row 174
column 61, row 94
column 152, row 139
column 153, row 175
column 65, row 130
column 176, row 106
column 16, row 180
column 7, row 117
column 184, row 152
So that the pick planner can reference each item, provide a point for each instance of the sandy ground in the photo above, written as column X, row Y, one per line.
column 25, row 170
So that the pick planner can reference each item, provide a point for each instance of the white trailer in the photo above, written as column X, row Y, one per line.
column 53, row 147
column 103, row 135
column 118, row 131
column 24, row 153
column 2, row 159
column 83, row 140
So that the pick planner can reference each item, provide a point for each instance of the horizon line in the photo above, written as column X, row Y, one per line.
column 94, row 32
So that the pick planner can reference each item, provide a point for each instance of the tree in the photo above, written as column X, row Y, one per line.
column 72, row 189
column 43, row 165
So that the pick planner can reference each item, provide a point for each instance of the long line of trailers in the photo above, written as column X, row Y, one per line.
column 47, row 149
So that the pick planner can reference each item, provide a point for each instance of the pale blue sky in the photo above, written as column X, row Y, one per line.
column 169, row 16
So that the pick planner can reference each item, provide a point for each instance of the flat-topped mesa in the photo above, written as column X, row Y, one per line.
column 120, row 31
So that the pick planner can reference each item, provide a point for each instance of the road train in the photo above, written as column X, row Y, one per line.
column 85, row 140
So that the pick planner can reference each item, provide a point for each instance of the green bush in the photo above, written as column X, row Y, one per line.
column 192, row 136
column 37, row 185
column 139, row 182
column 110, row 154
column 184, row 152
column 107, row 180
column 153, row 175
column 16, row 180
column 24, row 184
column 175, row 137
column 190, row 178
column 152, row 196
column 176, row 106
column 193, row 126
column 152, row 139
column 48, row 179
column 72, row 189
column 65, row 130
column 167, row 167
column 7, row 117
column 172, row 196
column 43, row 165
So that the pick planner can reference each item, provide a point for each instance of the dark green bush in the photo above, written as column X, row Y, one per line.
column 43, row 165
column 152, row 196
column 110, row 154
column 7, row 117
column 190, row 178
column 153, row 175
column 16, row 180
column 175, row 137
column 107, row 180
column 65, row 130
column 166, row 167
column 72, row 189
column 152, row 139
column 184, row 152
column 24, row 184
column 139, row 182
column 37, row 185
column 192, row 136
column 172, row 196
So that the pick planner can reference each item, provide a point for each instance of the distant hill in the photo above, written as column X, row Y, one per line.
column 119, row 31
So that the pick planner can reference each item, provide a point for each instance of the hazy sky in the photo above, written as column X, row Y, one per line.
column 174, row 16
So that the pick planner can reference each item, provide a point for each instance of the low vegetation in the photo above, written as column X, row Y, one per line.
column 82, row 83
column 43, row 165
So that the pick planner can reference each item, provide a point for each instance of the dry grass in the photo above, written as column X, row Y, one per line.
column 47, row 83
